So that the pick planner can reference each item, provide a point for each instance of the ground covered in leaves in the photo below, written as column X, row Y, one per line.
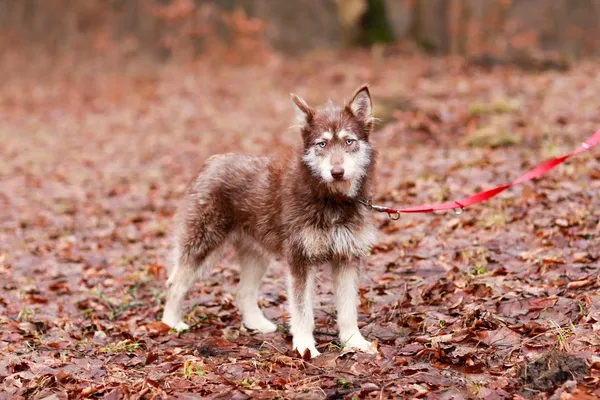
column 502, row 301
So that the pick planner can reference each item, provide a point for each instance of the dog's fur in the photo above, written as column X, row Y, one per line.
column 297, row 206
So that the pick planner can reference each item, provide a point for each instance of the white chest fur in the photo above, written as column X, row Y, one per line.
column 339, row 240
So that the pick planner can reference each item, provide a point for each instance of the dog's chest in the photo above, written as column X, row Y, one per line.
column 337, row 240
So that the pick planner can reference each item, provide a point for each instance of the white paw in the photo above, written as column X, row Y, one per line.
column 302, row 345
column 260, row 324
column 357, row 342
column 179, row 326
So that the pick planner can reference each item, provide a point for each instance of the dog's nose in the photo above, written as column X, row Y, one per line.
column 337, row 173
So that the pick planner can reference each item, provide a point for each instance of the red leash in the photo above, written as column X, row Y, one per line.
column 458, row 205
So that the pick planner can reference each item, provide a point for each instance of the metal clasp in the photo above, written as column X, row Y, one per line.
column 366, row 203
column 393, row 215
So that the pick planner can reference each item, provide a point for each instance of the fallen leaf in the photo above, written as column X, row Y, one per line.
column 158, row 327
column 503, row 337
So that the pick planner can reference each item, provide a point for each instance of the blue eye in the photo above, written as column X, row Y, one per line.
column 350, row 141
column 321, row 144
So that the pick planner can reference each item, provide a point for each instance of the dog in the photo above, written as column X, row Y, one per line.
column 302, row 206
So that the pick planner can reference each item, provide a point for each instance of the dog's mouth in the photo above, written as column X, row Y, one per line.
column 340, row 186
column 340, row 181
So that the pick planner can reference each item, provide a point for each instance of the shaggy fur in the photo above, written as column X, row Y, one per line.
column 301, row 206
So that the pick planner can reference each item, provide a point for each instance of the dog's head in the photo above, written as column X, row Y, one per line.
column 336, row 141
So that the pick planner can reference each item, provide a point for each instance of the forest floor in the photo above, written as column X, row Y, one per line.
column 500, row 302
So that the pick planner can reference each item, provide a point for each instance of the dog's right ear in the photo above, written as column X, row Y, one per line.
column 304, row 112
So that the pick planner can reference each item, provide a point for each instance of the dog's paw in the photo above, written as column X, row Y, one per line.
column 305, row 348
column 358, row 343
column 179, row 326
column 307, row 352
column 261, row 325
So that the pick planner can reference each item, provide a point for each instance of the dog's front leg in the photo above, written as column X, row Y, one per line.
column 301, row 286
column 345, row 286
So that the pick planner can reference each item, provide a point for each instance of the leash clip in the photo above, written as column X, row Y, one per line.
column 394, row 215
column 367, row 203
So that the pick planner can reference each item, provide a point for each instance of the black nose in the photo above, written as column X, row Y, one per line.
column 337, row 173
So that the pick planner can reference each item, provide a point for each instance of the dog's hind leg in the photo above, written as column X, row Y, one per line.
column 253, row 265
column 181, row 279
column 197, row 248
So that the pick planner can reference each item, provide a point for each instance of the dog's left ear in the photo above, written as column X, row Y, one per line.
column 304, row 112
column 361, row 105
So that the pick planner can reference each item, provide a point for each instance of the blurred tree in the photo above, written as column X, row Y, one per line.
column 374, row 27
column 174, row 28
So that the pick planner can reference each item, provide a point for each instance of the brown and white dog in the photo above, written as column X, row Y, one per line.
column 301, row 206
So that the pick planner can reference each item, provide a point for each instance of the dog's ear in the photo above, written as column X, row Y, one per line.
column 304, row 112
column 361, row 105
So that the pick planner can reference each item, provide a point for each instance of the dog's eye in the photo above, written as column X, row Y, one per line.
column 350, row 141
column 321, row 144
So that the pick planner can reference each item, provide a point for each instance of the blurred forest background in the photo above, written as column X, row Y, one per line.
column 241, row 30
